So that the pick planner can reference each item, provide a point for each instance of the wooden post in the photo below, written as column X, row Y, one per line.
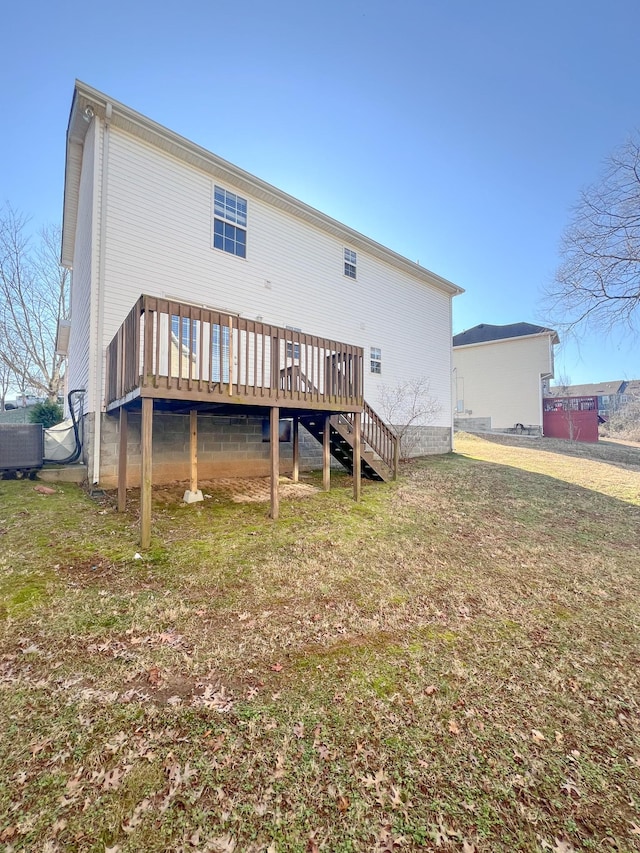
column 146, row 471
column 296, row 449
column 275, row 364
column 122, row 459
column 193, row 494
column 396, row 457
column 326, row 454
column 274, row 434
column 193, row 449
column 357, row 465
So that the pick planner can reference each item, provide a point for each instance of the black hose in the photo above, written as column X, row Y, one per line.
column 78, row 448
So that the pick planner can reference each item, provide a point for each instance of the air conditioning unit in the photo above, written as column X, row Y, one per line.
column 21, row 447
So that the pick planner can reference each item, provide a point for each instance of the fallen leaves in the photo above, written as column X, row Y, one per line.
column 132, row 823
column 569, row 787
column 343, row 803
column 559, row 846
column 214, row 697
column 45, row 490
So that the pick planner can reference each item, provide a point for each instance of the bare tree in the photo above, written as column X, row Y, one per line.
column 34, row 295
column 5, row 382
column 625, row 421
column 564, row 390
column 563, row 384
column 406, row 407
column 598, row 280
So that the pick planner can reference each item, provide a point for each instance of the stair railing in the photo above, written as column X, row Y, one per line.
column 378, row 436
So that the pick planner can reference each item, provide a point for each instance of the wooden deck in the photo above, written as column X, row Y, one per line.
column 198, row 359
column 175, row 351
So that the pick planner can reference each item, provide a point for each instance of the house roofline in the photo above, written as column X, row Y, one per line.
column 167, row 140
column 555, row 339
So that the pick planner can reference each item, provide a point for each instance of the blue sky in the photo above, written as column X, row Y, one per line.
column 457, row 132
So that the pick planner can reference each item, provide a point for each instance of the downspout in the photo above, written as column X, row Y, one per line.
column 97, row 433
column 452, row 401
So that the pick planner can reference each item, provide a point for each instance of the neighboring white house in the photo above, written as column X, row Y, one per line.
column 149, row 212
column 499, row 375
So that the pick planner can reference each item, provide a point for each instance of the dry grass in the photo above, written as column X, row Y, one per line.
column 450, row 665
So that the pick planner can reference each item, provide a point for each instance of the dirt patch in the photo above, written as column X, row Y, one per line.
column 83, row 572
column 236, row 489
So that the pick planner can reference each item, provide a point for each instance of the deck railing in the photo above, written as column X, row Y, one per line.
column 181, row 351
column 380, row 438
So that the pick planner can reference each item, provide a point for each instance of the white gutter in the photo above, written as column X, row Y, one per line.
column 453, row 397
column 99, row 400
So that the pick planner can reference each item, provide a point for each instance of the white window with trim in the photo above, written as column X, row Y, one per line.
column 350, row 261
column 376, row 360
column 293, row 347
column 229, row 222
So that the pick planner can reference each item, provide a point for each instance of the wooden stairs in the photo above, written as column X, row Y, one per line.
column 379, row 445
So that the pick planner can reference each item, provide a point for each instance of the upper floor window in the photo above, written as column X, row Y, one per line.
column 376, row 360
column 349, row 263
column 229, row 222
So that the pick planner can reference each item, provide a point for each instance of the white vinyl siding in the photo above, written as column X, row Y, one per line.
column 502, row 379
column 81, row 339
column 159, row 242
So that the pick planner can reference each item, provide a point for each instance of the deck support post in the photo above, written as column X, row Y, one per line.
column 357, row 466
column 396, row 457
column 146, row 471
column 326, row 454
column 295, row 474
column 193, row 493
column 123, row 429
column 274, row 453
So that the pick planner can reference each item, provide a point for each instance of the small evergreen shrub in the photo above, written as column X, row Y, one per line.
column 48, row 414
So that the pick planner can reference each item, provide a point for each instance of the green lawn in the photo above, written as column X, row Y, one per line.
column 453, row 664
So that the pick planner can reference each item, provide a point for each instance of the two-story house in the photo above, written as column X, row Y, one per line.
column 203, row 298
column 500, row 374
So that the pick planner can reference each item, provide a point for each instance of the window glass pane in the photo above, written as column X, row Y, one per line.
column 219, row 201
column 231, row 208
column 218, row 230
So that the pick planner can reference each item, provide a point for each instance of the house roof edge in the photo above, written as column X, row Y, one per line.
column 138, row 124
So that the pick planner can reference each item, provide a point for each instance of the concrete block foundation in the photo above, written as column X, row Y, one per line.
column 227, row 447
